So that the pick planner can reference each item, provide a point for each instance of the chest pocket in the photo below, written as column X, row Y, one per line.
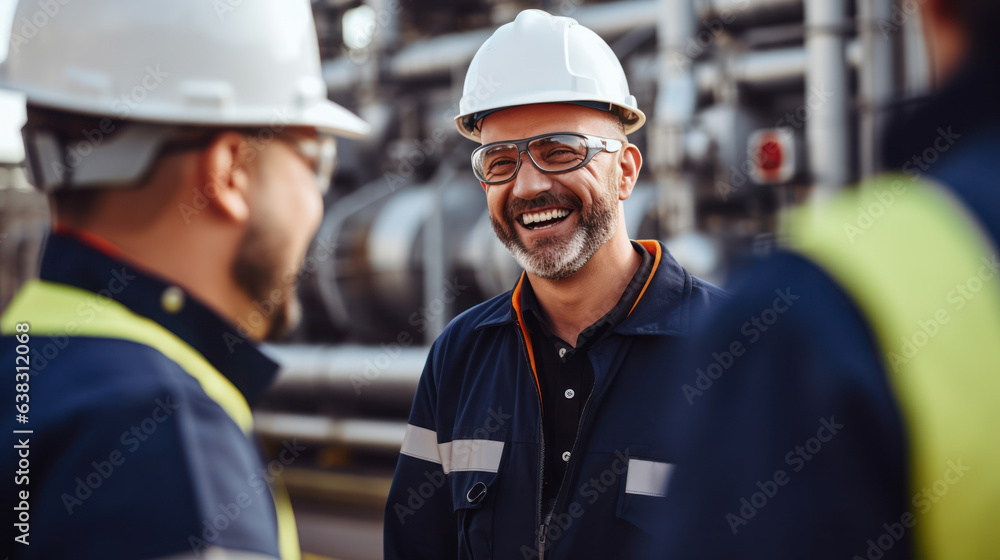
column 474, row 467
column 643, row 493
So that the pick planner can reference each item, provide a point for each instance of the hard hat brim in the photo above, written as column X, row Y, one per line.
column 323, row 115
column 328, row 116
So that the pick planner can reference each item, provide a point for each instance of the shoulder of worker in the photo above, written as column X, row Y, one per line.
column 119, row 428
column 788, row 355
column 967, row 171
column 78, row 380
column 791, row 337
column 786, row 311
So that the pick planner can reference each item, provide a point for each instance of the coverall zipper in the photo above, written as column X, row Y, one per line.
column 547, row 518
column 572, row 457
column 543, row 526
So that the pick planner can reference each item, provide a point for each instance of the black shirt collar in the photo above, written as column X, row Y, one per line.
column 69, row 260
column 536, row 323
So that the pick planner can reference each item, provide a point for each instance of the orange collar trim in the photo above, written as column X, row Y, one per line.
column 653, row 247
column 516, row 300
column 91, row 239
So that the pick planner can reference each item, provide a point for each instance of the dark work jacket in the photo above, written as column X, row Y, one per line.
column 468, row 481
column 129, row 457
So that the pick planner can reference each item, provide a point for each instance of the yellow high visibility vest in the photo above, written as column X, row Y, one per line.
column 51, row 306
column 926, row 279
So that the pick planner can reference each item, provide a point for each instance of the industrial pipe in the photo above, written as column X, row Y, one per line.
column 385, row 374
column 440, row 55
column 876, row 79
column 827, row 95
column 745, row 12
column 762, row 70
column 676, row 104
column 771, row 68
column 375, row 435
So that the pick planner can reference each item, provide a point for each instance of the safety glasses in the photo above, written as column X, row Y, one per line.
column 559, row 152
column 319, row 153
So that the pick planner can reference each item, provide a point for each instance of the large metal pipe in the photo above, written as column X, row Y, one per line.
column 436, row 55
column 780, row 68
column 876, row 79
column 377, row 435
column 916, row 65
column 771, row 69
column 385, row 374
column 615, row 18
column 436, row 257
column 440, row 55
column 444, row 53
column 676, row 103
column 827, row 95
column 745, row 12
column 389, row 272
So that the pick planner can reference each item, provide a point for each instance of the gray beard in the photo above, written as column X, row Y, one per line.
column 558, row 258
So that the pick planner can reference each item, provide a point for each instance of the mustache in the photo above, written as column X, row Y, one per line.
column 520, row 205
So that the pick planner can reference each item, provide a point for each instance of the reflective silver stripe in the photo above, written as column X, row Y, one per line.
column 471, row 455
column 421, row 443
column 459, row 455
column 649, row 478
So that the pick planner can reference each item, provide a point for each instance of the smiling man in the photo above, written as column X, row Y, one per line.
column 184, row 159
column 529, row 435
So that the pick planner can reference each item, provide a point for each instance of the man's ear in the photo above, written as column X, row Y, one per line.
column 631, row 163
column 224, row 172
column 483, row 183
column 946, row 37
column 944, row 9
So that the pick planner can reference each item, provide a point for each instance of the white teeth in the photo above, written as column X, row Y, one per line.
column 529, row 219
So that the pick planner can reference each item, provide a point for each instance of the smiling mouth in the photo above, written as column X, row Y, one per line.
column 544, row 219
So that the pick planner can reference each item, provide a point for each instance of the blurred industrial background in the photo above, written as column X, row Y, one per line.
column 753, row 105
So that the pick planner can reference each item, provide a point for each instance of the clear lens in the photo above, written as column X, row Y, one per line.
column 558, row 153
column 497, row 162
column 321, row 155
column 326, row 161
column 555, row 153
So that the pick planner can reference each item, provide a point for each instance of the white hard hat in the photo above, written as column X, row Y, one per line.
column 541, row 58
column 186, row 62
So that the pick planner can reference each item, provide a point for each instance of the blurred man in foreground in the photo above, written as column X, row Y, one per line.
column 860, row 422
column 529, row 435
column 184, row 151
